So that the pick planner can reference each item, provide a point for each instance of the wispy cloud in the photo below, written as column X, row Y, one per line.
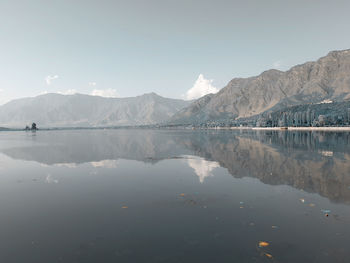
column 92, row 83
column 43, row 92
column 68, row 92
column 105, row 164
column 277, row 64
column 109, row 93
column 49, row 79
column 67, row 165
column 65, row 92
column 201, row 87
column 1, row 90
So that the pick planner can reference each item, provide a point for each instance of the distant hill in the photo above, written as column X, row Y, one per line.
column 56, row 110
column 326, row 79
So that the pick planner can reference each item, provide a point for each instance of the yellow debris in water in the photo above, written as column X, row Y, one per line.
column 263, row 244
column 268, row 255
column 312, row 205
column 241, row 207
column 124, row 207
column 182, row 194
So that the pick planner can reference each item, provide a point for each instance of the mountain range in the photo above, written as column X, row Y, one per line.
column 78, row 110
column 313, row 82
column 327, row 79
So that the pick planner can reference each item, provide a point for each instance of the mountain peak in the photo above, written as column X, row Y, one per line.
column 151, row 94
column 339, row 52
column 311, row 82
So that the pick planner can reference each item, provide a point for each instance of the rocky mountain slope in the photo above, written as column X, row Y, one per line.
column 55, row 110
column 326, row 79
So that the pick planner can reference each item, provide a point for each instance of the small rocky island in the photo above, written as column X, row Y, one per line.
column 33, row 128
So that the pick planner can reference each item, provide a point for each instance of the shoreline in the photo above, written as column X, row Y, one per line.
column 303, row 128
column 345, row 128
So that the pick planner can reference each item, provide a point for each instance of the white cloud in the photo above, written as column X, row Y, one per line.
column 1, row 90
column 67, row 165
column 202, row 167
column 200, row 88
column 105, row 164
column 277, row 64
column 68, row 92
column 92, row 83
column 49, row 79
column 109, row 93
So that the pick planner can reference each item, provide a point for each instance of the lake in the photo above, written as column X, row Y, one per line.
column 174, row 196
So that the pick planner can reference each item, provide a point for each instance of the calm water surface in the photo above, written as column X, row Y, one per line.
column 174, row 196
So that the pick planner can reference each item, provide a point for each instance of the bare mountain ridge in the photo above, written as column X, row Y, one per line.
column 312, row 82
column 56, row 110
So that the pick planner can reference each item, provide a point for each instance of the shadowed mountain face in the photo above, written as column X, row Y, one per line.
column 312, row 82
column 315, row 162
column 55, row 110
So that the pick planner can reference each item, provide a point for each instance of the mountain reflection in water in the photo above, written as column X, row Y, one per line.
column 317, row 162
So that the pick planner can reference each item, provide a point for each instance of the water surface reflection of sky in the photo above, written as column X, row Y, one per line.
column 174, row 196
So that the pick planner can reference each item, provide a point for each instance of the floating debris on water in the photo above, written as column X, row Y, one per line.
column 263, row 244
column 268, row 255
column 241, row 203
column 326, row 212
column 311, row 205
column 274, row 227
column 182, row 194
column 125, row 207
column 302, row 200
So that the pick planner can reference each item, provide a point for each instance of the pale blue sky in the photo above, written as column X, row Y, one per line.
column 136, row 47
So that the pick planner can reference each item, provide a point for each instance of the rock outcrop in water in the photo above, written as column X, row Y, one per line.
column 326, row 79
